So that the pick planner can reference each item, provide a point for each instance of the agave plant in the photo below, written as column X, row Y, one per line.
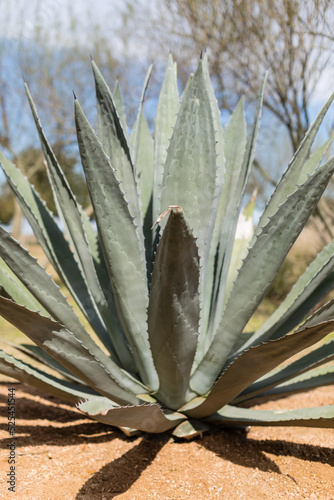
column 168, row 283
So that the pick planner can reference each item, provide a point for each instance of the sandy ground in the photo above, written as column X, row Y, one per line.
column 60, row 455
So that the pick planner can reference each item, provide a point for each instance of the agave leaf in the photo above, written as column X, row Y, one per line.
column 121, row 245
column 324, row 313
column 46, row 229
column 230, row 205
column 258, row 271
column 144, row 168
column 144, row 172
column 235, row 133
column 165, row 118
column 243, row 236
column 214, row 232
column 12, row 367
column 173, row 313
column 119, row 105
column 111, row 133
column 297, row 170
column 257, row 361
column 135, row 134
column 322, row 416
column 220, row 148
column 13, row 288
column 54, row 244
column 67, row 205
column 78, row 354
column 128, row 431
column 142, row 152
column 189, row 429
column 114, row 324
column 93, row 243
column 35, row 210
column 315, row 378
column 38, row 282
column 146, row 417
column 317, row 357
column 186, row 88
column 220, row 144
column 309, row 289
column 315, row 159
column 191, row 160
column 36, row 353
column 71, row 215
column 114, row 336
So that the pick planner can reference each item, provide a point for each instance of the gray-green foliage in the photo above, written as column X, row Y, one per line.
column 169, row 295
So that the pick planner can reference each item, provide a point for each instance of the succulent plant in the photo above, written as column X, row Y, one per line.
column 167, row 283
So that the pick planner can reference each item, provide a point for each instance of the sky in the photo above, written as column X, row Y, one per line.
column 22, row 19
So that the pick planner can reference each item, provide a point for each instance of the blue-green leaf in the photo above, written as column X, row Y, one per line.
column 191, row 160
column 243, row 236
column 190, row 429
column 165, row 118
column 77, row 353
column 210, row 261
column 111, row 133
column 121, row 245
column 257, row 361
column 14, row 368
column 318, row 377
column 38, row 282
column 173, row 313
column 145, row 417
column 259, row 268
column 144, row 168
column 36, row 353
column 14, row 288
column 54, row 244
column 135, row 134
column 315, row 358
column 144, row 173
column 237, row 173
column 232, row 416
column 119, row 105
column 297, row 170
column 310, row 288
column 71, row 214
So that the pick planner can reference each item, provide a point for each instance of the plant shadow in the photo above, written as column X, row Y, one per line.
column 52, row 411
column 61, row 425
column 234, row 445
column 118, row 476
column 231, row 445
